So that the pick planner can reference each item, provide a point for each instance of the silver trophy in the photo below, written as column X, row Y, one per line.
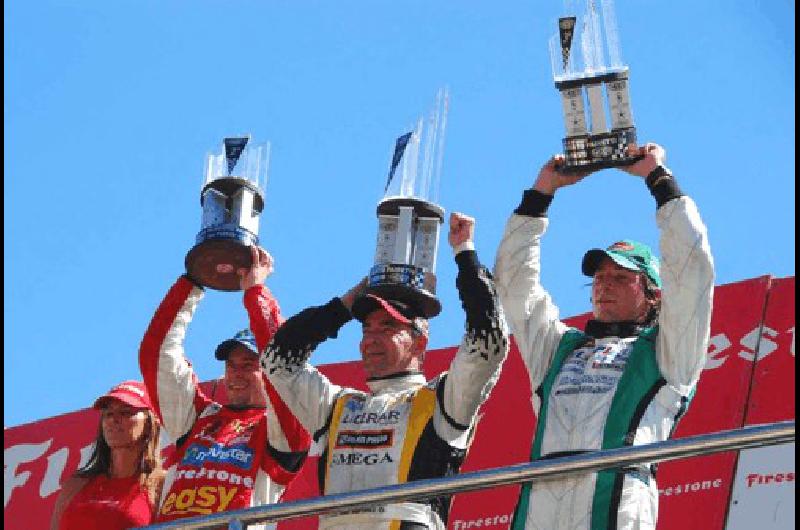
column 587, row 67
column 409, row 218
column 232, row 201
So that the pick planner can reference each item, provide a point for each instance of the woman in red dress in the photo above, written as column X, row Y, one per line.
column 120, row 485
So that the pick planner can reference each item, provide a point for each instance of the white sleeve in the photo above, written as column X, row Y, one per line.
column 530, row 312
column 477, row 363
column 167, row 374
column 307, row 392
column 687, row 276
column 468, row 382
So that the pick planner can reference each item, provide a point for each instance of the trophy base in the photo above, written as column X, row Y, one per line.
column 423, row 208
column 406, row 283
column 598, row 151
column 213, row 262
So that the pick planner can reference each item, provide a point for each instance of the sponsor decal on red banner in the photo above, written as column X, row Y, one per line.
column 758, row 479
column 497, row 521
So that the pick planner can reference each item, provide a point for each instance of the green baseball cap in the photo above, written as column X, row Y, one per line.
column 629, row 254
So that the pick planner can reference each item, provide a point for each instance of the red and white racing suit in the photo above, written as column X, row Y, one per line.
column 226, row 458
column 609, row 389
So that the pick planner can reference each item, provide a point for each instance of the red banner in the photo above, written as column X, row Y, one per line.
column 694, row 493
column 772, row 396
column 764, row 482
column 37, row 458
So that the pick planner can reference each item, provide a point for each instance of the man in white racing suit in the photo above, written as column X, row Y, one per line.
column 405, row 428
column 626, row 378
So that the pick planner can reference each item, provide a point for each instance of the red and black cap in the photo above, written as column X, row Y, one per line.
column 401, row 311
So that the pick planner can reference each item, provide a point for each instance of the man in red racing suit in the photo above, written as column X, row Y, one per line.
column 231, row 456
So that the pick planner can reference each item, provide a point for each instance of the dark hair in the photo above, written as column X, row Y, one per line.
column 99, row 462
column 651, row 293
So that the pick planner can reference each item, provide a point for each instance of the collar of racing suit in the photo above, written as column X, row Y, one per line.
column 395, row 382
column 599, row 329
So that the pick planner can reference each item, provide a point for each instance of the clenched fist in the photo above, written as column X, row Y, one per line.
column 462, row 229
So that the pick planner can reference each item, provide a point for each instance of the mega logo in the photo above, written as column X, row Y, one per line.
column 358, row 459
column 237, row 455
column 202, row 500
column 364, row 439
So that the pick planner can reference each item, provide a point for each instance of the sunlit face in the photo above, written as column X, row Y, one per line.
column 243, row 380
column 618, row 293
column 123, row 426
column 388, row 346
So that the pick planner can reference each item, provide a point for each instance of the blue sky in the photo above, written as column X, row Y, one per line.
column 111, row 107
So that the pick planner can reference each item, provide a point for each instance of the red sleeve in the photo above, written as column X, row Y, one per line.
column 153, row 340
column 265, row 315
column 298, row 438
column 265, row 318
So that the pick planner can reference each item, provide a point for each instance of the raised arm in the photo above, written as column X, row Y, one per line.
column 531, row 313
column 476, row 366
column 308, row 394
column 262, row 308
column 168, row 376
column 285, row 433
column 687, row 273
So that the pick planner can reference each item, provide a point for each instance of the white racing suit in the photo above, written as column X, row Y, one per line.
column 405, row 428
column 613, row 385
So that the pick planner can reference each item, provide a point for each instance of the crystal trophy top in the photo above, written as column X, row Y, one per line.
column 588, row 68
column 232, row 200
column 409, row 218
